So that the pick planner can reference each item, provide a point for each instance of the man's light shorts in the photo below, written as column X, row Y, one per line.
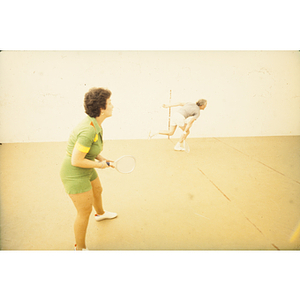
column 179, row 120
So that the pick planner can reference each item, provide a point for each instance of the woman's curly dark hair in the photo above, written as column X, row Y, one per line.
column 95, row 100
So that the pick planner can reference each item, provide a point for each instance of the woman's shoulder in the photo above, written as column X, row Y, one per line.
column 86, row 126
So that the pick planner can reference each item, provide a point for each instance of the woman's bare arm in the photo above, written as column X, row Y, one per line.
column 78, row 160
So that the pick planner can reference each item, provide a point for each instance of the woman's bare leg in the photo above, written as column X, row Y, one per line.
column 97, row 200
column 83, row 203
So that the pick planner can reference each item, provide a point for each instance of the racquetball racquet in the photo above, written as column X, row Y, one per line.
column 124, row 164
column 186, row 147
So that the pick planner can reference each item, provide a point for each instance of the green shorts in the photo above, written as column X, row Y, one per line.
column 76, row 180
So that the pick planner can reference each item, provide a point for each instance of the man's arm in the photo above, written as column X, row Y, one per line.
column 189, row 124
column 173, row 105
column 187, row 130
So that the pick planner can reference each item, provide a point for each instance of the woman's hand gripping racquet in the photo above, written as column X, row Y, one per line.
column 124, row 164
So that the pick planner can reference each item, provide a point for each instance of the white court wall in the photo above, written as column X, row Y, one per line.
column 249, row 93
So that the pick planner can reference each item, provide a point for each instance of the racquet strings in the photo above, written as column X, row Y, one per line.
column 125, row 164
column 186, row 147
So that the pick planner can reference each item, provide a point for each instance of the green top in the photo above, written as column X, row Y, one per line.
column 87, row 138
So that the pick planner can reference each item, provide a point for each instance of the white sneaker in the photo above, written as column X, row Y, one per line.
column 106, row 215
column 83, row 249
column 178, row 147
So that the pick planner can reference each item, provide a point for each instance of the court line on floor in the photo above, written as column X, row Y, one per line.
column 229, row 198
column 238, row 208
column 215, row 185
column 202, row 216
column 259, row 230
column 257, row 161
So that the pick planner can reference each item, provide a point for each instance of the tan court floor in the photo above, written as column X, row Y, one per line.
column 227, row 193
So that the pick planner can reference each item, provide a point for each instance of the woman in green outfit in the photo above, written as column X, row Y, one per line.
column 78, row 172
